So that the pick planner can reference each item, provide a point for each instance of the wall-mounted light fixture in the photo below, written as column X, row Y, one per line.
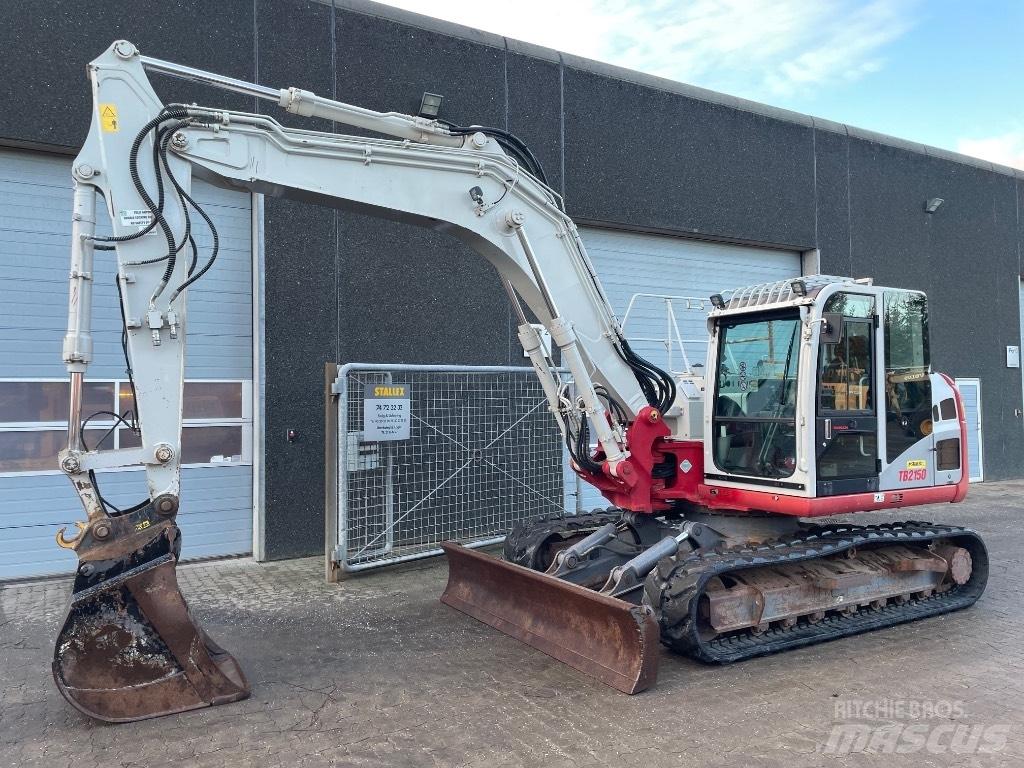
column 932, row 204
column 430, row 105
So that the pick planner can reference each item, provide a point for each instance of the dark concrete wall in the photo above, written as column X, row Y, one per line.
column 639, row 155
column 658, row 160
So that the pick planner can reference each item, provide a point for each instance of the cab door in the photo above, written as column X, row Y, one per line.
column 846, row 428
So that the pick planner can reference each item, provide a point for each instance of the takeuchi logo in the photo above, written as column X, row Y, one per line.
column 389, row 391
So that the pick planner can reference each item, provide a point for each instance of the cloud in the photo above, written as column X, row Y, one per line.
column 752, row 48
column 1005, row 149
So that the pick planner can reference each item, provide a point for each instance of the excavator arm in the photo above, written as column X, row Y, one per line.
column 480, row 185
column 140, row 153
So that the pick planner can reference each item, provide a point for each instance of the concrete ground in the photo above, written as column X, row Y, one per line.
column 377, row 672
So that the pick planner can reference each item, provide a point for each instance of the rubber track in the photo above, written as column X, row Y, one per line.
column 524, row 542
column 674, row 589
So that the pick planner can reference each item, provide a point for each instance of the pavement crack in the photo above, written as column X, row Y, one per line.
column 314, row 718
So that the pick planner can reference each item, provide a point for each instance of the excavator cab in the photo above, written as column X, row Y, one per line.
column 829, row 393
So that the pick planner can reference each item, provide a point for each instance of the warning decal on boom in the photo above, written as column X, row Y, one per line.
column 108, row 117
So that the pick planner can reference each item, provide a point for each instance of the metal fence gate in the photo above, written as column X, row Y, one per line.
column 427, row 454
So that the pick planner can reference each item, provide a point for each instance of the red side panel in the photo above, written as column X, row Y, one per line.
column 635, row 487
column 741, row 500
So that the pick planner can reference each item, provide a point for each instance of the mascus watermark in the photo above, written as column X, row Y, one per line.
column 911, row 726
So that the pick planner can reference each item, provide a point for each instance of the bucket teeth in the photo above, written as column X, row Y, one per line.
column 611, row 640
column 128, row 648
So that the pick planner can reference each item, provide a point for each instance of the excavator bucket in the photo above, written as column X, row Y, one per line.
column 128, row 648
column 609, row 639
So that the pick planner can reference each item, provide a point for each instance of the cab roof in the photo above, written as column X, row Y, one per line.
column 793, row 292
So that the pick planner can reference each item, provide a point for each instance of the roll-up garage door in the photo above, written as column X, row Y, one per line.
column 36, row 499
column 970, row 393
column 631, row 265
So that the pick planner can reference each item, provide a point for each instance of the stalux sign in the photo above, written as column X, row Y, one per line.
column 386, row 413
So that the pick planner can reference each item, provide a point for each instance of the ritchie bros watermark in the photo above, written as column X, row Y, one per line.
column 911, row 726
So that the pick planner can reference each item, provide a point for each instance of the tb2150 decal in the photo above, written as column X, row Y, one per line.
column 917, row 469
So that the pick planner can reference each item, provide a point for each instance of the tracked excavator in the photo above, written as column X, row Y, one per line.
column 817, row 400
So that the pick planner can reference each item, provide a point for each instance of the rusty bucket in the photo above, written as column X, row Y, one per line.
column 128, row 648
column 609, row 639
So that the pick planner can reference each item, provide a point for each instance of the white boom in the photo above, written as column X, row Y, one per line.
column 463, row 184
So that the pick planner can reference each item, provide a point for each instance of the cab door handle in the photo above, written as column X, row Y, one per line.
column 828, row 429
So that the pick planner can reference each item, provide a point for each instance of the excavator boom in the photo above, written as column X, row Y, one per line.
column 128, row 648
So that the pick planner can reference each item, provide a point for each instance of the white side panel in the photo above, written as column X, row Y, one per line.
column 630, row 264
column 970, row 391
column 35, row 231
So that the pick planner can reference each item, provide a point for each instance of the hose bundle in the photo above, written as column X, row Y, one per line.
column 163, row 128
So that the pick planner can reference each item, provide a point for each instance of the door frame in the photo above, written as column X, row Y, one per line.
column 259, row 542
column 824, row 418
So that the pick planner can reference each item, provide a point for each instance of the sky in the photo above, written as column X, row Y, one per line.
column 949, row 73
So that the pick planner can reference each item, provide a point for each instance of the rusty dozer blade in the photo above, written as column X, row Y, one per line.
column 609, row 639
column 128, row 648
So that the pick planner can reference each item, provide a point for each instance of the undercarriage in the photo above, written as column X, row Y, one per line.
column 718, row 588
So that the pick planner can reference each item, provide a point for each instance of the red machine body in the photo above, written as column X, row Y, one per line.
column 635, row 487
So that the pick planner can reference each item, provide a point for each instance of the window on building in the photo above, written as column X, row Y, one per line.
column 33, row 422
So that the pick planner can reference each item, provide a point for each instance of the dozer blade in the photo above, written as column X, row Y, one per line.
column 609, row 639
column 129, row 649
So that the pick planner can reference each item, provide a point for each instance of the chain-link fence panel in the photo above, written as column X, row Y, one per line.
column 440, row 453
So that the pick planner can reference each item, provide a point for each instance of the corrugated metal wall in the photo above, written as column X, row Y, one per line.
column 630, row 263
column 35, row 227
column 35, row 231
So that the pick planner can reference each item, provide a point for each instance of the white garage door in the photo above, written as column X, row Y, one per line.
column 631, row 264
column 970, row 392
column 35, row 499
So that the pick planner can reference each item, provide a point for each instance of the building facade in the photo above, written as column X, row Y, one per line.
column 678, row 191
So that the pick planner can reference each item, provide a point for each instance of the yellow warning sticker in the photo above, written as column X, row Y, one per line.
column 917, row 464
column 108, row 117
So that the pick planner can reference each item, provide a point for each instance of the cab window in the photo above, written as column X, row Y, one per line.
column 846, row 393
column 845, row 370
column 755, row 397
column 908, row 390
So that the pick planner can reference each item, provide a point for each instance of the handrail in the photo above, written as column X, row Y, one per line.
column 672, row 334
